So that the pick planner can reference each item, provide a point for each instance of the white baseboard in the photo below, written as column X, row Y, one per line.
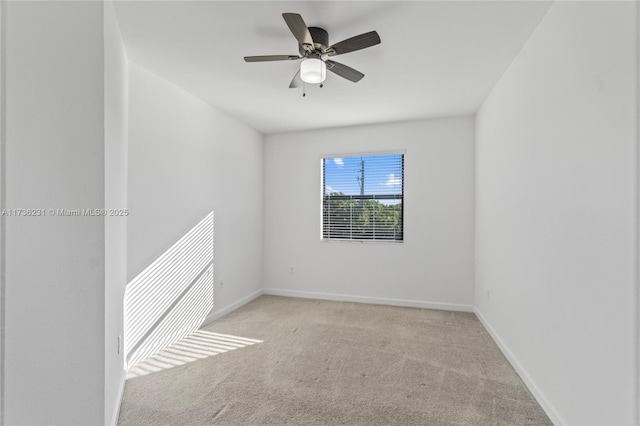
column 370, row 300
column 123, row 379
column 548, row 408
column 232, row 307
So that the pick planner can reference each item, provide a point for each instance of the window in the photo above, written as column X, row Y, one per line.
column 362, row 197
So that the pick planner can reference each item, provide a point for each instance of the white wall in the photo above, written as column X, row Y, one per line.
column 54, row 142
column 187, row 159
column 556, row 212
column 434, row 265
column 115, row 232
column 2, row 203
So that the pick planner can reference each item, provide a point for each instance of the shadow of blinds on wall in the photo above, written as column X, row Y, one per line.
column 170, row 298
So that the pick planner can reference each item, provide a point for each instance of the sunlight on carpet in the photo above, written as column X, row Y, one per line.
column 199, row 345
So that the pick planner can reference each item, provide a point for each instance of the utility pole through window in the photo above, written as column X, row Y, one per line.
column 361, row 178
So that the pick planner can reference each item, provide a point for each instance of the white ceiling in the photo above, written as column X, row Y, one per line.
column 437, row 58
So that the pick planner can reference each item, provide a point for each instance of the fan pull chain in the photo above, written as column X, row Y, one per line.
column 304, row 89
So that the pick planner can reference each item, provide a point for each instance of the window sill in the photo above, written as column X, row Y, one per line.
column 341, row 241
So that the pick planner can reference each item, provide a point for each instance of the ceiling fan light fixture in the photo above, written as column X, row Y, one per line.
column 313, row 71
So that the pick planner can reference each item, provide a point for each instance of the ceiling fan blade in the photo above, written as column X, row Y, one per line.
column 358, row 42
column 344, row 71
column 296, row 81
column 267, row 58
column 299, row 29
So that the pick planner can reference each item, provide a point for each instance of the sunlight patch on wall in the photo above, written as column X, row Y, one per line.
column 199, row 345
column 170, row 298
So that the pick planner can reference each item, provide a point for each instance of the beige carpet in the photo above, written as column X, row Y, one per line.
column 331, row 363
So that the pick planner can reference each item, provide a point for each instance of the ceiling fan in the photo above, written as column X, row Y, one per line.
column 315, row 51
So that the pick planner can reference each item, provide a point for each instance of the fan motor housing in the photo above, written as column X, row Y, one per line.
column 320, row 39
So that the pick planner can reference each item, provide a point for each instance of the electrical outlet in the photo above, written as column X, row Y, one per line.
column 119, row 343
column 291, row 270
column 488, row 294
column 221, row 284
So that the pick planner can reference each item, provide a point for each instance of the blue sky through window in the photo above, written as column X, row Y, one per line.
column 382, row 175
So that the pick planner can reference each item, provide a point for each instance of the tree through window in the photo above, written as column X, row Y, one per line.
column 363, row 197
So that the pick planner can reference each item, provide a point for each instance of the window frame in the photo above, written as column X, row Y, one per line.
column 323, row 157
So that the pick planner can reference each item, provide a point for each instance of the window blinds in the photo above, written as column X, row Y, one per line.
column 363, row 197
